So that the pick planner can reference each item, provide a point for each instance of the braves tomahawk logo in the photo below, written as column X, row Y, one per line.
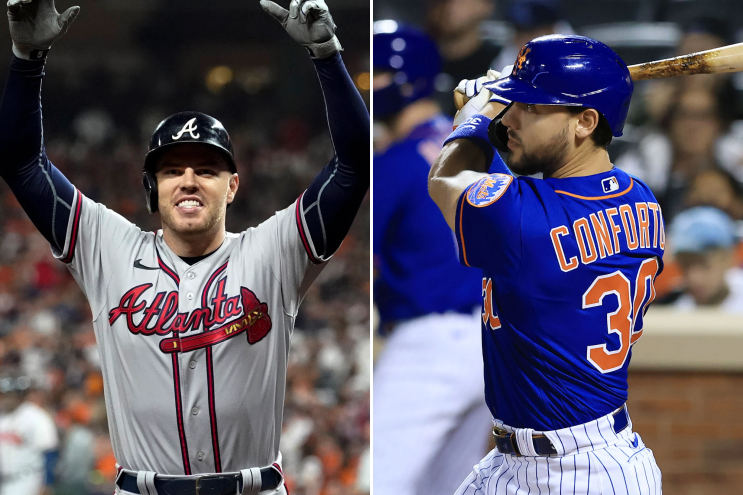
column 226, row 318
column 190, row 128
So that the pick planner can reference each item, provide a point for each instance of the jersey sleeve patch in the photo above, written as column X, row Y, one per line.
column 488, row 190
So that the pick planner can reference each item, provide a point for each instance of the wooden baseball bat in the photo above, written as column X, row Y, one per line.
column 724, row 59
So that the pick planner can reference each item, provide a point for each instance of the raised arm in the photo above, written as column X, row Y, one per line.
column 464, row 159
column 43, row 192
column 331, row 201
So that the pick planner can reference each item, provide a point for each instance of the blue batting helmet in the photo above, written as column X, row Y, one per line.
column 413, row 61
column 572, row 71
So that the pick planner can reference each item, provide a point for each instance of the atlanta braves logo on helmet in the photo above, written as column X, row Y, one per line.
column 190, row 128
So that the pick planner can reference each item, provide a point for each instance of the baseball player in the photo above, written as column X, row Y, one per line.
column 568, row 265
column 430, row 422
column 193, row 323
column 28, row 440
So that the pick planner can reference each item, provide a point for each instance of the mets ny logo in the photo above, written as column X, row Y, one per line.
column 488, row 190
column 225, row 318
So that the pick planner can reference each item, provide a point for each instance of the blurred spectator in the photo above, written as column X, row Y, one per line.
column 703, row 243
column 28, row 439
column 691, row 141
column 698, row 35
column 77, row 458
column 530, row 19
column 718, row 188
column 455, row 26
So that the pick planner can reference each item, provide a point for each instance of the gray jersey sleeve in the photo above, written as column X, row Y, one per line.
column 97, row 241
column 291, row 256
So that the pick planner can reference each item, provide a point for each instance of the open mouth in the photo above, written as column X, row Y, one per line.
column 189, row 205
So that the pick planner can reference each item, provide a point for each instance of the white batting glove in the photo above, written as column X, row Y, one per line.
column 309, row 23
column 35, row 25
column 478, row 94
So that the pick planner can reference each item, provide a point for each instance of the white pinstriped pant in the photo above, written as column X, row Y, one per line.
column 591, row 460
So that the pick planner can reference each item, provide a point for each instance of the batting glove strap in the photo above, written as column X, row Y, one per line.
column 475, row 130
column 29, row 53
column 326, row 49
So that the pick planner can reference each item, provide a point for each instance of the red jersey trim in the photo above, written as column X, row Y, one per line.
column 302, row 235
column 75, row 228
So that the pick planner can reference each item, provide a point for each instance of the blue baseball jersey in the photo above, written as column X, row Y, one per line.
column 568, row 267
column 415, row 252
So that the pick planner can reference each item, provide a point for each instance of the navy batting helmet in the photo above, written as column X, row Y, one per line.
column 413, row 61
column 183, row 127
column 572, row 71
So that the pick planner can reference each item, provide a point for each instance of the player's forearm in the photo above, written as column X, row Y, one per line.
column 331, row 201
column 459, row 164
column 43, row 192
column 21, row 138
column 348, row 118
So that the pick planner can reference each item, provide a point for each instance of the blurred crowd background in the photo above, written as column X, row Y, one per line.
column 122, row 67
column 684, row 135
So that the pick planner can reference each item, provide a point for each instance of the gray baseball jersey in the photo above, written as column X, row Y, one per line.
column 194, row 356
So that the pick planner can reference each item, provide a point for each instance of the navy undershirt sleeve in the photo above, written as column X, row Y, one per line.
column 44, row 193
column 335, row 195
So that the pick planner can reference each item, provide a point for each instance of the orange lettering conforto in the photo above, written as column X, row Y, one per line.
column 630, row 229
column 603, row 238
column 643, row 221
column 586, row 245
column 565, row 265
column 655, row 208
column 615, row 229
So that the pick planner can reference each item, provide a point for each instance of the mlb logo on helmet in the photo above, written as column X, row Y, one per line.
column 610, row 184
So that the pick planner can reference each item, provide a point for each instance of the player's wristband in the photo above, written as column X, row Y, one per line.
column 326, row 49
column 27, row 53
column 475, row 130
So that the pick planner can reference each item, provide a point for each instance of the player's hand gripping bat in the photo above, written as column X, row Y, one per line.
column 725, row 59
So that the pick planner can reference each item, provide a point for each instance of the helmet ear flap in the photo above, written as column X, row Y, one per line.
column 498, row 133
column 150, row 189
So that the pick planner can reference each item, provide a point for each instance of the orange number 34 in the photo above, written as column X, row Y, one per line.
column 622, row 321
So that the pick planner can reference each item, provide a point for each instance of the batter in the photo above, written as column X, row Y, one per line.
column 568, row 265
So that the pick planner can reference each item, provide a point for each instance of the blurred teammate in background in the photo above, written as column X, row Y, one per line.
column 28, row 440
column 430, row 418
column 703, row 240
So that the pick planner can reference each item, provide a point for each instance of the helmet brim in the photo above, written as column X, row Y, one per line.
column 514, row 89
column 150, row 159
